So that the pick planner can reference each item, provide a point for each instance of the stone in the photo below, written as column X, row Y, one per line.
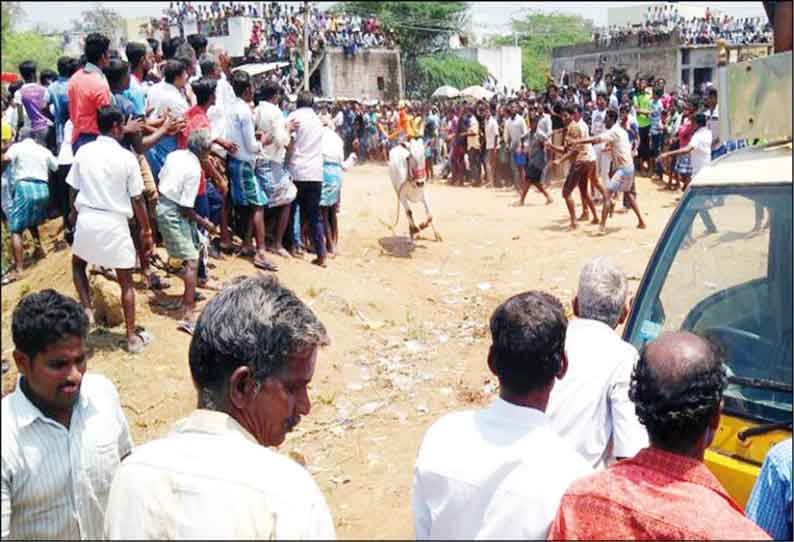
column 106, row 296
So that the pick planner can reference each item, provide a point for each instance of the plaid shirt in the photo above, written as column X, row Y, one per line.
column 655, row 495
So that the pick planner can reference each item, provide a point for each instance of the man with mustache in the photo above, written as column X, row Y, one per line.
column 63, row 430
column 252, row 356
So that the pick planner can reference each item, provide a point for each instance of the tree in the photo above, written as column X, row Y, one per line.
column 21, row 46
column 419, row 28
column 538, row 34
column 98, row 19
column 434, row 71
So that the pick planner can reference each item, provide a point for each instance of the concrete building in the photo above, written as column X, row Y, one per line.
column 503, row 63
column 371, row 74
column 677, row 64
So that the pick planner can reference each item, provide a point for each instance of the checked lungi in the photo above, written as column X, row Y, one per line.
column 245, row 187
column 30, row 203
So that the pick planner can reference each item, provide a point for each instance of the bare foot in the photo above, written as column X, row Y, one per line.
column 595, row 221
column 584, row 217
column 641, row 226
column 572, row 226
column 517, row 204
column 549, row 201
column 320, row 262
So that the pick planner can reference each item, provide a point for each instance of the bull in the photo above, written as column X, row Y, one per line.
column 408, row 176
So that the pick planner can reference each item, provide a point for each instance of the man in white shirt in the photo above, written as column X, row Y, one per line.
column 165, row 98
column 107, row 179
column 30, row 164
column 590, row 407
column 63, row 431
column 281, row 192
column 699, row 146
column 491, row 144
column 214, row 476
column 306, row 167
column 248, row 194
column 500, row 472
column 598, row 127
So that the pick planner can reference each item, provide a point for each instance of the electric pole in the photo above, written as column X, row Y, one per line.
column 306, row 46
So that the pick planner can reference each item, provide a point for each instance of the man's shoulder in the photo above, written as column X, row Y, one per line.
column 450, row 428
column 99, row 389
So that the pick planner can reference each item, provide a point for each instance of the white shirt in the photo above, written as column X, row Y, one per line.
column 516, row 128
column 545, row 127
column 55, row 481
column 164, row 96
column 618, row 141
column 240, row 131
column 30, row 160
column 497, row 473
column 180, row 178
column 269, row 119
column 590, row 406
column 701, row 149
column 106, row 176
column 713, row 124
column 334, row 150
column 65, row 155
column 491, row 133
column 598, row 121
column 210, row 479
column 306, row 163
column 339, row 119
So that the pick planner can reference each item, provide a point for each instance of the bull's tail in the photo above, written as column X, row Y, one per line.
column 399, row 198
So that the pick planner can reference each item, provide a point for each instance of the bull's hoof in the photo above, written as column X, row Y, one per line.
column 413, row 231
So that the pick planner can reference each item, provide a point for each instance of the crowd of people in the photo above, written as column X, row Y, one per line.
column 663, row 23
column 168, row 148
column 587, row 439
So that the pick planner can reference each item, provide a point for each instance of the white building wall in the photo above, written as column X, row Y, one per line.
column 503, row 63
column 635, row 14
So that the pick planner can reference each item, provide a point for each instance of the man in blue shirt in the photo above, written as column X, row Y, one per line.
column 770, row 502
column 59, row 97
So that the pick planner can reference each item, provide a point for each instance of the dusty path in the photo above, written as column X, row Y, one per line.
column 408, row 324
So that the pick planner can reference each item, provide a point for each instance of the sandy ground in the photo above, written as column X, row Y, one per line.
column 408, row 323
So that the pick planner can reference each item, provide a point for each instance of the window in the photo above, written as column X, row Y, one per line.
column 685, row 57
column 685, row 77
column 702, row 75
column 381, row 84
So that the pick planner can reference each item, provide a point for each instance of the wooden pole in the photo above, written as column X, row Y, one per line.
column 306, row 46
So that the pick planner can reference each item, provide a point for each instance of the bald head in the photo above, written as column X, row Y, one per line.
column 677, row 388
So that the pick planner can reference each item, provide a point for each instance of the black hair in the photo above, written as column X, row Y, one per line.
column 701, row 119
column 305, row 99
column 613, row 114
column 528, row 338
column 574, row 108
column 96, row 45
column 135, row 52
column 67, row 65
column 207, row 63
column 677, row 411
column 115, row 71
column 198, row 42
column 186, row 61
column 15, row 86
column 114, row 53
column 268, row 90
column 27, row 70
column 172, row 70
column 602, row 95
column 241, row 81
column 170, row 46
column 712, row 92
column 107, row 116
column 204, row 88
column 43, row 318
column 47, row 76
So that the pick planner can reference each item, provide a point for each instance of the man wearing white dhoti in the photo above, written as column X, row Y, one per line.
column 108, row 185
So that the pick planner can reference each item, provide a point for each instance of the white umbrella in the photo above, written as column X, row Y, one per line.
column 477, row 92
column 446, row 92
column 258, row 69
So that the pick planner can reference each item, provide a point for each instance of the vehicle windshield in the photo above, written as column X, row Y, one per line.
column 724, row 270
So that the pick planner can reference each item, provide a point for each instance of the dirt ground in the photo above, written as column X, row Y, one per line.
column 408, row 324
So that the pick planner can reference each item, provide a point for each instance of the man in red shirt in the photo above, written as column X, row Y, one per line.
column 665, row 491
column 88, row 91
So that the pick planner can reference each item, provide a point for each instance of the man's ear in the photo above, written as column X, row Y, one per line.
column 575, row 306
column 624, row 314
column 563, row 366
column 241, row 387
column 714, row 423
column 23, row 362
column 491, row 362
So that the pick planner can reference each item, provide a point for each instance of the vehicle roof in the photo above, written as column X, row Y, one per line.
column 752, row 165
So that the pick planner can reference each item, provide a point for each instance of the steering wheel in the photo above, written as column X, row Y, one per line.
column 747, row 354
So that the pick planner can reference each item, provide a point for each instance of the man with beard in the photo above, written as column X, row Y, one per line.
column 63, row 430
column 252, row 357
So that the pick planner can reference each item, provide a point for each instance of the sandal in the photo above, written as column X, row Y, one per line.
column 187, row 326
column 265, row 265
column 168, row 304
column 146, row 339
column 155, row 284
column 9, row 278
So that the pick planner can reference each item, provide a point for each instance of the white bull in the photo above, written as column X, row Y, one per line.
column 408, row 176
